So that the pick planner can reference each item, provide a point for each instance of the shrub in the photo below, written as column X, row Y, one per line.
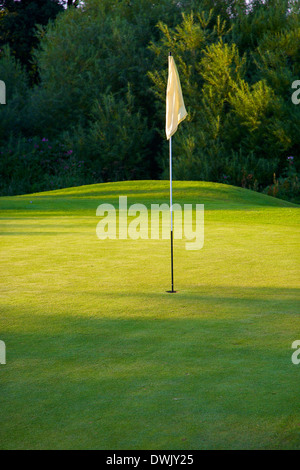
column 286, row 186
column 116, row 142
column 15, row 79
column 32, row 165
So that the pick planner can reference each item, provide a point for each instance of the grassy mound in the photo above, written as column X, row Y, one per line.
column 99, row 356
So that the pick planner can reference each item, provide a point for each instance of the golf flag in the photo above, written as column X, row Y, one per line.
column 175, row 112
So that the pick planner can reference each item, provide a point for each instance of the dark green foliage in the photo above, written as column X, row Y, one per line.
column 238, row 93
column 32, row 165
column 103, row 75
column 116, row 142
column 12, row 115
column 288, row 185
column 18, row 21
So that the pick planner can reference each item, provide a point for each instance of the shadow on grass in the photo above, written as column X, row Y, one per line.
column 112, row 381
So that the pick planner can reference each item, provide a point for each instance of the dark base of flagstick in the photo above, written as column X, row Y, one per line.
column 172, row 276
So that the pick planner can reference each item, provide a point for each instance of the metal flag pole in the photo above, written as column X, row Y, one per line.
column 171, row 215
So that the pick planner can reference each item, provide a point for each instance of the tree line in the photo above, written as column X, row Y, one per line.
column 86, row 84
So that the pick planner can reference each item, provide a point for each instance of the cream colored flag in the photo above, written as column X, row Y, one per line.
column 175, row 112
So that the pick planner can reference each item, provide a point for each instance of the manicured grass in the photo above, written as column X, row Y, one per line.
column 99, row 356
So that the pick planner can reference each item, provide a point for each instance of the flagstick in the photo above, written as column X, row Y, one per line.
column 171, row 215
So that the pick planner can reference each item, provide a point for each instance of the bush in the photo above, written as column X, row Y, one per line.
column 33, row 165
column 116, row 142
column 12, row 114
column 248, row 171
column 286, row 186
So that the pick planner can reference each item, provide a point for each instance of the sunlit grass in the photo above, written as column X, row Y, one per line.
column 100, row 356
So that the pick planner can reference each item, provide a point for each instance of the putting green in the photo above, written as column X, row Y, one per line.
column 99, row 356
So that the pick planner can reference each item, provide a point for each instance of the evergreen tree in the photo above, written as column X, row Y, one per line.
column 18, row 21
column 16, row 81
